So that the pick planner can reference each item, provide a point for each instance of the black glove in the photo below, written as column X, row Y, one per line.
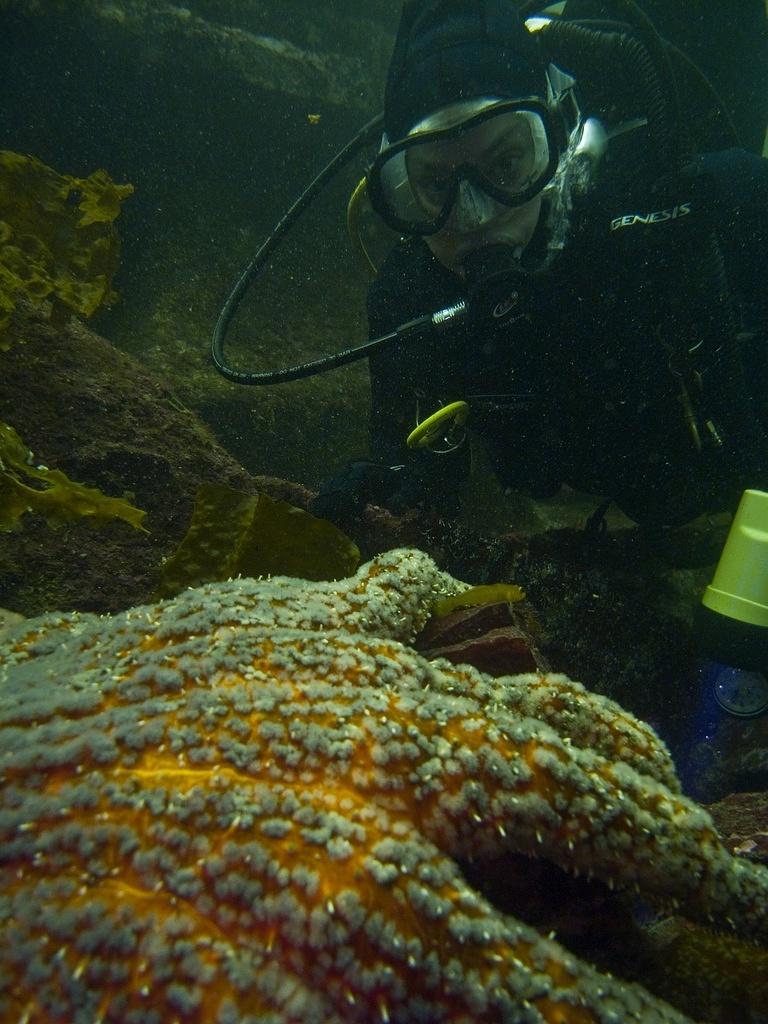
column 343, row 496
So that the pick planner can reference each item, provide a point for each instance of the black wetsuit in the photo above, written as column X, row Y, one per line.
column 583, row 384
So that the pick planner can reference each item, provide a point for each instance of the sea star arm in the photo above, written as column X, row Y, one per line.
column 585, row 719
column 196, row 793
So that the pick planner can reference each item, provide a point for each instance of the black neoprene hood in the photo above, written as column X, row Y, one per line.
column 451, row 50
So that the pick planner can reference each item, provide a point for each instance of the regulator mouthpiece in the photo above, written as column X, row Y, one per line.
column 731, row 624
column 498, row 285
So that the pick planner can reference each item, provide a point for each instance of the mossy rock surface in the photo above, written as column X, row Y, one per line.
column 93, row 412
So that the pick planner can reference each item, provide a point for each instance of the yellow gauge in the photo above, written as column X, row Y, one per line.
column 435, row 427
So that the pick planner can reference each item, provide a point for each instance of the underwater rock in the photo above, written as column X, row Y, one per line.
column 95, row 413
column 742, row 821
column 732, row 759
column 495, row 638
column 157, row 93
column 715, row 978
column 615, row 614
column 249, row 46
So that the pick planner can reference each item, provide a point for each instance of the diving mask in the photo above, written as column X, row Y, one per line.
column 504, row 149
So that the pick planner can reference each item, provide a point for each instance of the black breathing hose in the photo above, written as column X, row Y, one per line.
column 648, row 54
column 574, row 43
column 367, row 134
column 686, row 66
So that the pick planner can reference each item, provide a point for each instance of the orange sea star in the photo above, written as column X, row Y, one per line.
column 245, row 805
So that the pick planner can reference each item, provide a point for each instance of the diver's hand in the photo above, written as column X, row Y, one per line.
column 343, row 496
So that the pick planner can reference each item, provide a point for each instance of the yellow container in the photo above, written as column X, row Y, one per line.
column 739, row 588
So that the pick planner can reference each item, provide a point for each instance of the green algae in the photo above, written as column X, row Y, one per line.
column 236, row 534
column 57, row 237
column 489, row 593
column 26, row 487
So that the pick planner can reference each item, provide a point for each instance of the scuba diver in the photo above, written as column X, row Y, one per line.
column 578, row 280
column 608, row 264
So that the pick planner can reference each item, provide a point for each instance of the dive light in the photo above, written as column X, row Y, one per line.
column 730, row 626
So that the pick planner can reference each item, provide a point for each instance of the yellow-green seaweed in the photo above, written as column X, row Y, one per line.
column 57, row 237
column 236, row 534
column 26, row 487
column 488, row 593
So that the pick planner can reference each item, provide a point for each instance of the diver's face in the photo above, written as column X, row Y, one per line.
column 502, row 150
column 513, row 226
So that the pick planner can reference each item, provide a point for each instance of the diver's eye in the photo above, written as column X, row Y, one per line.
column 508, row 168
column 433, row 187
column 434, row 183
